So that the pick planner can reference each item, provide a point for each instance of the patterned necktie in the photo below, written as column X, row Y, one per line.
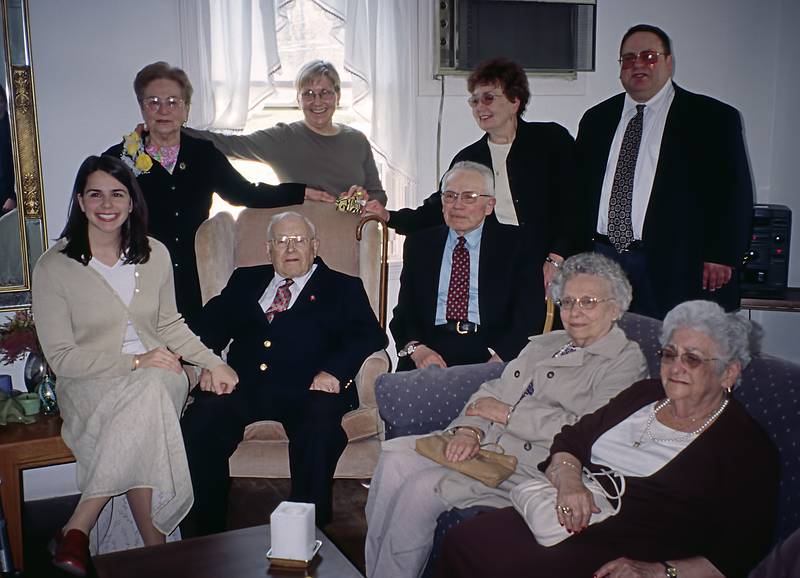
column 620, row 226
column 281, row 301
column 458, row 291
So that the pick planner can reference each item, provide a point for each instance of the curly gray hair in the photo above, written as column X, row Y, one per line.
column 737, row 338
column 599, row 265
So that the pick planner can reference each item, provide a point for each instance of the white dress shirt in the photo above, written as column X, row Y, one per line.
column 655, row 119
column 294, row 289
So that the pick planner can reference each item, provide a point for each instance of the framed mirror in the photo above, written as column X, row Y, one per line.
column 23, row 230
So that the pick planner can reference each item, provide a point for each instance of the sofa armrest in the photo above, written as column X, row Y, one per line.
column 425, row 400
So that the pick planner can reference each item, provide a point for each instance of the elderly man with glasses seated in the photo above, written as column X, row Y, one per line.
column 297, row 344
column 469, row 291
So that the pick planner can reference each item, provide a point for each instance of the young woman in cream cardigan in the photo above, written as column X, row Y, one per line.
column 104, row 305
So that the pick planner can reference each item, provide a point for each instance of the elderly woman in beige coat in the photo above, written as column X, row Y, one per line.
column 556, row 379
column 104, row 305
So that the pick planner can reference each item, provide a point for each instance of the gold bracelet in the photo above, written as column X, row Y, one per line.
column 135, row 362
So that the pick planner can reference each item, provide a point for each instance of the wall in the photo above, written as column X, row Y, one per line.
column 87, row 53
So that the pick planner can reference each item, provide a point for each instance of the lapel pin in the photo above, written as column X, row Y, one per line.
column 182, row 166
column 312, row 298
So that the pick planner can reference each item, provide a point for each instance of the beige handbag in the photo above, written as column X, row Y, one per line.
column 535, row 500
column 488, row 467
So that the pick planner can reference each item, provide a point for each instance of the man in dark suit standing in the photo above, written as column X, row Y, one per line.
column 666, row 178
column 469, row 290
column 300, row 332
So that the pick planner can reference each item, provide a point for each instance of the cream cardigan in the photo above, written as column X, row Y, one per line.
column 81, row 321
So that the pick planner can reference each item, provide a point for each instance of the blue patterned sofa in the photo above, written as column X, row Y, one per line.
column 421, row 401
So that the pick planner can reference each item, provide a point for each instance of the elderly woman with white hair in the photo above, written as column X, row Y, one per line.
column 701, row 475
column 329, row 156
column 556, row 379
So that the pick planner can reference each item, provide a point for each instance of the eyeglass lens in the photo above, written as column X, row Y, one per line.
column 323, row 94
column 646, row 57
column 286, row 240
column 689, row 359
column 485, row 98
column 467, row 197
column 153, row 103
column 587, row 303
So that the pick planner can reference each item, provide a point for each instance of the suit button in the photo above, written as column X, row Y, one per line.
column 263, row 367
column 527, row 446
column 173, row 187
column 516, row 373
column 550, row 374
column 268, row 344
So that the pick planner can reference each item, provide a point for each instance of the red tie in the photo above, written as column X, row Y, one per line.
column 458, row 291
column 281, row 301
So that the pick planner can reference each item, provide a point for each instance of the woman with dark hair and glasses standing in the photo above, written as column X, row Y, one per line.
column 179, row 174
column 104, row 305
column 533, row 165
column 701, row 476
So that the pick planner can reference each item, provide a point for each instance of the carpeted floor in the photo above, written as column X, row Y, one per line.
column 251, row 502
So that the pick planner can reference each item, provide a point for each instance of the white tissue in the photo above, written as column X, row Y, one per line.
column 292, row 531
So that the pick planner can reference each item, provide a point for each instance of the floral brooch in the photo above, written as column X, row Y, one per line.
column 134, row 155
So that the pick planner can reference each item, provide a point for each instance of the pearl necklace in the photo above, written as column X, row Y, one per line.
column 687, row 435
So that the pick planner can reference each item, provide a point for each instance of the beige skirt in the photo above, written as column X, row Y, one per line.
column 125, row 433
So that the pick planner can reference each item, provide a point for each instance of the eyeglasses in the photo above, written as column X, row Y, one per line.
column 584, row 303
column 691, row 360
column 645, row 57
column 467, row 197
column 283, row 242
column 485, row 98
column 153, row 103
column 324, row 94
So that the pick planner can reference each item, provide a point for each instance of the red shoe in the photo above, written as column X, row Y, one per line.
column 71, row 551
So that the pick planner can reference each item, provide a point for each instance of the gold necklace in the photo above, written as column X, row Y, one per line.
column 687, row 435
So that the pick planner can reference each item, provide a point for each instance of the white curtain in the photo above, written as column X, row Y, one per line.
column 230, row 52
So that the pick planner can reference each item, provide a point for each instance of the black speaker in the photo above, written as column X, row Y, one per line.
column 765, row 269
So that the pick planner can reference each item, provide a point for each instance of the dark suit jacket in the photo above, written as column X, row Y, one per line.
column 510, row 287
column 541, row 175
column 178, row 203
column 702, row 199
column 330, row 327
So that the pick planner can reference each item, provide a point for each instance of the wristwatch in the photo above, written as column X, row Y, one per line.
column 408, row 349
column 670, row 570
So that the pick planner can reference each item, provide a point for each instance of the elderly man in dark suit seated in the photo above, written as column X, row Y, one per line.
column 469, row 290
column 298, row 334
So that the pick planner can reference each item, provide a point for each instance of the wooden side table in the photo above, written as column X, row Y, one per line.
column 21, row 447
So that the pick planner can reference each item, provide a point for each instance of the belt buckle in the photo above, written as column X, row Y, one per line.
column 459, row 330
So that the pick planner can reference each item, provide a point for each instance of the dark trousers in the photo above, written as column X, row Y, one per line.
column 634, row 263
column 214, row 425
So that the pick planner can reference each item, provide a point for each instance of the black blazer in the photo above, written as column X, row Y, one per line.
column 510, row 287
column 330, row 327
column 702, row 199
column 179, row 202
column 542, row 178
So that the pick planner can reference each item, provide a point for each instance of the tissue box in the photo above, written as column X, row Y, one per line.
column 292, row 531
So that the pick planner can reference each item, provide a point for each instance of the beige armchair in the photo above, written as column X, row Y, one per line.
column 223, row 244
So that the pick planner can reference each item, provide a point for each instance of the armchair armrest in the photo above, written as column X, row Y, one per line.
column 425, row 400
